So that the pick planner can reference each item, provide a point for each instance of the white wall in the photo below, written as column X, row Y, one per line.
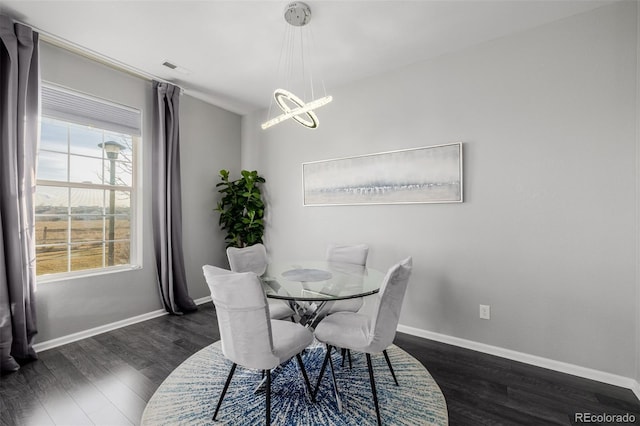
column 547, row 233
column 210, row 140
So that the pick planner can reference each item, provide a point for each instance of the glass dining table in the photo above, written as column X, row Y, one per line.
column 309, row 285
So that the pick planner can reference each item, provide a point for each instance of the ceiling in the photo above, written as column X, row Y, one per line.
column 231, row 48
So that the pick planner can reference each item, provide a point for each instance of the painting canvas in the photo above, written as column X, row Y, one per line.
column 419, row 175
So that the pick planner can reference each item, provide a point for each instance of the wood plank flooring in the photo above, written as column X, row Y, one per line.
column 108, row 379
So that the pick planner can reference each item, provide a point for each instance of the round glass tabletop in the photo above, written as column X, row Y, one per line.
column 319, row 280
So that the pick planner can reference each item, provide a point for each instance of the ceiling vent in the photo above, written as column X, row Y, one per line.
column 175, row 67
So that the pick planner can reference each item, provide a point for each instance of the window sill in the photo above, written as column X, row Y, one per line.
column 66, row 276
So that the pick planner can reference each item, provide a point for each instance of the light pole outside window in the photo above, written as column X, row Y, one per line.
column 111, row 148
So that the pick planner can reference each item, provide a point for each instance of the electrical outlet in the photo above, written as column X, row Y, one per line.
column 485, row 312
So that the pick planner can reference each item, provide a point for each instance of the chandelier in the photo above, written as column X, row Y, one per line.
column 298, row 74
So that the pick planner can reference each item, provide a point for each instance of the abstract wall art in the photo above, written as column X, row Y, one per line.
column 430, row 174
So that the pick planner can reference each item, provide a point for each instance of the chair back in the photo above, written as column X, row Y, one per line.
column 355, row 254
column 390, row 297
column 243, row 317
column 248, row 259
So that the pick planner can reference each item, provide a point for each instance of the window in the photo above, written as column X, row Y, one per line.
column 85, row 195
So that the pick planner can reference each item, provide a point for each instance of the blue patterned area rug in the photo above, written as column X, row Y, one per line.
column 189, row 395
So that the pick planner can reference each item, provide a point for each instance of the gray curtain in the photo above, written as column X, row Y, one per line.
column 19, row 93
column 167, row 200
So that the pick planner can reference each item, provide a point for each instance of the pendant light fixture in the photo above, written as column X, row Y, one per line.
column 298, row 75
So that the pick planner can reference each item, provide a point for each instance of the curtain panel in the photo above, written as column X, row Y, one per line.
column 167, row 200
column 19, row 99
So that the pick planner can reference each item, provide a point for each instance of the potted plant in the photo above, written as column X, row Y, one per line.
column 241, row 208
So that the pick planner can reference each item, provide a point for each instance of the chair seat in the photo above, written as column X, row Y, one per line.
column 289, row 339
column 345, row 330
column 347, row 305
column 279, row 309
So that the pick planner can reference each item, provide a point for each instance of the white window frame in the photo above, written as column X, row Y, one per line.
column 135, row 210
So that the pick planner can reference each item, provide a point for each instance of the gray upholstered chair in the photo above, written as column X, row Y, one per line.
column 254, row 259
column 352, row 255
column 345, row 255
column 368, row 334
column 249, row 337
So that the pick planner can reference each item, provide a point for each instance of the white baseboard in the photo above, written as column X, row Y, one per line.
column 563, row 367
column 50, row 344
column 636, row 389
column 202, row 300
column 53, row 343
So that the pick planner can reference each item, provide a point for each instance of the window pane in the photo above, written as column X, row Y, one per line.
column 123, row 173
column 52, row 166
column 53, row 136
column 85, row 140
column 122, row 227
column 86, row 170
column 86, row 256
column 121, row 253
column 87, row 201
column 51, row 229
column 51, row 259
column 122, row 202
column 125, row 144
column 51, row 200
column 87, row 228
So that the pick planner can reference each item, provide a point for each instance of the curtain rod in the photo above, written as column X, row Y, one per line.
column 95, row 56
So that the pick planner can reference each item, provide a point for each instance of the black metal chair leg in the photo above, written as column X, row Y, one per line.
column 224, row 389
column 324, row 365
column 335, row 385
column 268, row 402
column 386, row 356
column 304, row 373
column 373, row 388
column 346, row 352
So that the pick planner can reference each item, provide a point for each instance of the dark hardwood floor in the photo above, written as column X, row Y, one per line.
column 107, row 380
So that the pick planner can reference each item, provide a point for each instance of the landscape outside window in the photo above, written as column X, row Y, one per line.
column 83, row 198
